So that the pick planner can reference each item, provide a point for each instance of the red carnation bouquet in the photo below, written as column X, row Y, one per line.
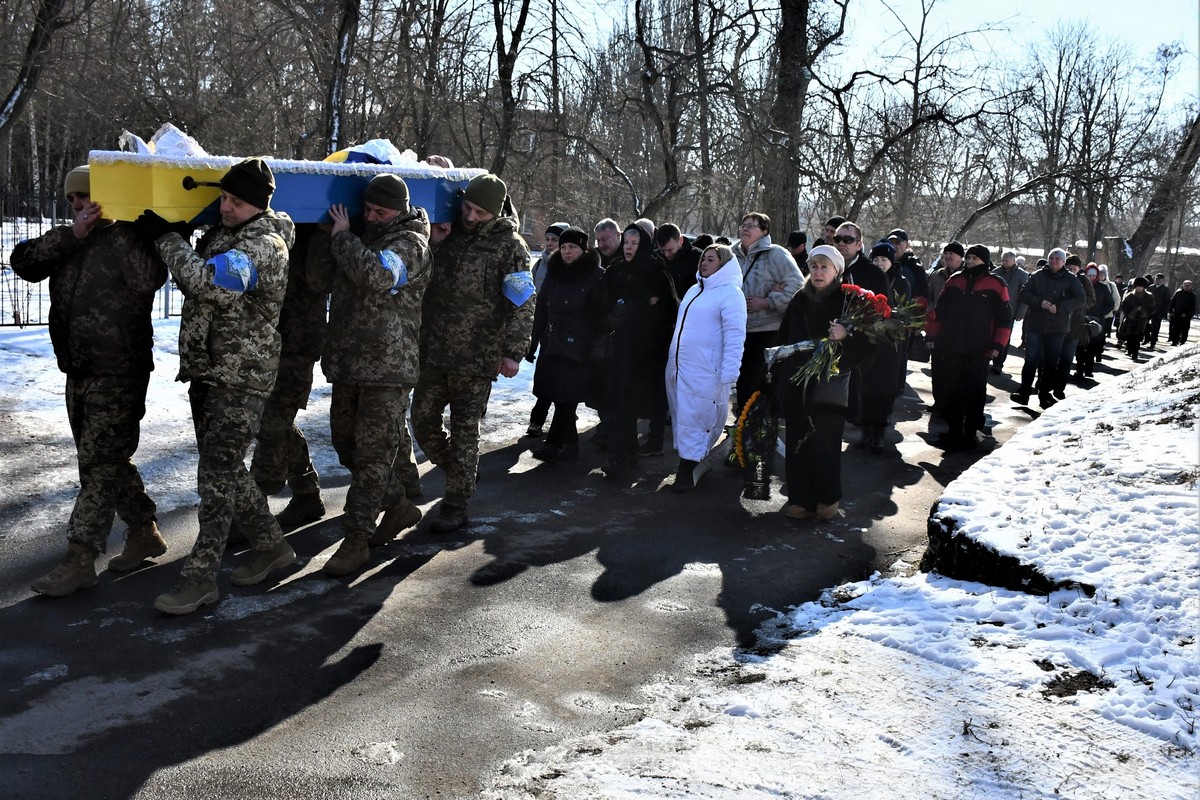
column 863, row 311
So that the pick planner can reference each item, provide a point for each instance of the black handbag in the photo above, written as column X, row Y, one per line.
column 834, row 392
column 565, row 345
column 917, row 351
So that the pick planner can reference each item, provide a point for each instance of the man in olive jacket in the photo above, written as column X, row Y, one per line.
column 377, row 282
column 102, row 284
column 233, row 285
column 478, row 316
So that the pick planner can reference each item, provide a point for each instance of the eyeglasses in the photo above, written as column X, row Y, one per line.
column 844, row 239
column 747, row 225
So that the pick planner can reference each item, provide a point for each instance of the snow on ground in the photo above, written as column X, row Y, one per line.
column 897, row 688
column 40, row 477
column 935, row 688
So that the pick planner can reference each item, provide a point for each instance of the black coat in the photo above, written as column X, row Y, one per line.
column 808, row 317
column 1183, row 304
column 640, row 304
column 683, row 266
column 566, row 321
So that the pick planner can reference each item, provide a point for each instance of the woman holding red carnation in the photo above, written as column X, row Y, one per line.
column 815, row 409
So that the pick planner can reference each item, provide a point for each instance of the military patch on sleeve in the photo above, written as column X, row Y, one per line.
column 394, row 264
column 518, row 287
column 233, row 270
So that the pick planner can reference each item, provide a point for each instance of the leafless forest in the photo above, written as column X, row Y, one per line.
column 686, row 110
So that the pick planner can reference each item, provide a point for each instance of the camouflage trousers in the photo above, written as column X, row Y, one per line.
column 105, row 413
column 281, row 451
column 365, row 423
column 226, row 421
column 455, row 451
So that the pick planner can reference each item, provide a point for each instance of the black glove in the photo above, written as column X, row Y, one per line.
column 530, row 354
column 151, row 226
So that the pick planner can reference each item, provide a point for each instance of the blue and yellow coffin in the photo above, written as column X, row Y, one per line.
column 125, row 184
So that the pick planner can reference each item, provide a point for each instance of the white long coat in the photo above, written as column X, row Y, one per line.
column 704, row 360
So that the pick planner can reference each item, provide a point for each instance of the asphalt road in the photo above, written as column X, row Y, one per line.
column 418, row 677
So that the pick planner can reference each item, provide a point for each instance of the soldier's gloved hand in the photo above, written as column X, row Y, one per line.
column 153, row 227
column 530, row 355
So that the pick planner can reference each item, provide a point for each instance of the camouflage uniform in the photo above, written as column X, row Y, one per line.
column 470, row 324
column 377, row 282
column 101, row 293
column 229, row 350
column 281, row 451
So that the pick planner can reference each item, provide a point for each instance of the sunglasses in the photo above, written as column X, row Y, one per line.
column 844, row 239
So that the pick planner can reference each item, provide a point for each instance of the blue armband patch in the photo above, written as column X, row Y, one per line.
column 394, row 264
column 518, row 287
column 234, row 271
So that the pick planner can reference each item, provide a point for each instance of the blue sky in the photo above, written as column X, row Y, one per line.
column 1142, row 24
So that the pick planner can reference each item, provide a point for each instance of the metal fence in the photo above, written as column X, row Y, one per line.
column 26, row 216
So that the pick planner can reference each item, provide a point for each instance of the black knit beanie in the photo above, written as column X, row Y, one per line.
column 575, row 236
column 387, row 191
column 251, row 181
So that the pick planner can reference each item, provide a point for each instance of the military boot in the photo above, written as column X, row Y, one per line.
column 77, row 570
column 261, row 563
column 397, row 518
column 301, row 510
column 141, row 542
column 352, row 554
column 187, row 596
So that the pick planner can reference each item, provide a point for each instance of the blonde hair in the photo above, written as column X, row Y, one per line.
column 724, row 252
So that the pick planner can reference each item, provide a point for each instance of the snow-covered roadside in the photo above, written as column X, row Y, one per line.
column 929, row 687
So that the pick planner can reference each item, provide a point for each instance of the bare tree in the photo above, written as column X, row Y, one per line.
column 1165, row 202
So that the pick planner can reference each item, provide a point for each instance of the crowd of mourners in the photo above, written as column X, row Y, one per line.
column 639, row 322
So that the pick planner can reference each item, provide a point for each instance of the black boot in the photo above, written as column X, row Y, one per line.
column 877, row 439
column 865, row 438
column 684, row 481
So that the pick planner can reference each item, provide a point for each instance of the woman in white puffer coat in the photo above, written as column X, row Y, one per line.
column 705, row 358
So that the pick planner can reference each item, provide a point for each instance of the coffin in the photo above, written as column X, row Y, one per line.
column 126, row 184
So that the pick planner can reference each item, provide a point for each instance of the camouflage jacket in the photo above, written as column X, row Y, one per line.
column 377, row 283
column 470, row 320
column 101, row 294
column 228, row 337
column 303, row 316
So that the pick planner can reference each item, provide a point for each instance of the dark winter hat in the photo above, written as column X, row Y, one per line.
column 884, row 249
column 956, row 248
column 250, row 180
column 980, row 251
column 387, row 191
column 557, row 229
column 78, row 181
column 702, row 241
column 488, row 192
column 898, row 233
column 1041, row 262
column 574, row 236
column 1074, row 261
column 1140, row 280
column 797, row 238
column 834, row 221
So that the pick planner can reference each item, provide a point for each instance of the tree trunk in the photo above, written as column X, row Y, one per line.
column 49, row 19
column 340, row 75
column 781, row 180
column 1165, row 200
column 506, row 63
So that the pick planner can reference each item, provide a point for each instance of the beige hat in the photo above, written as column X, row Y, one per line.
column 78, row 181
